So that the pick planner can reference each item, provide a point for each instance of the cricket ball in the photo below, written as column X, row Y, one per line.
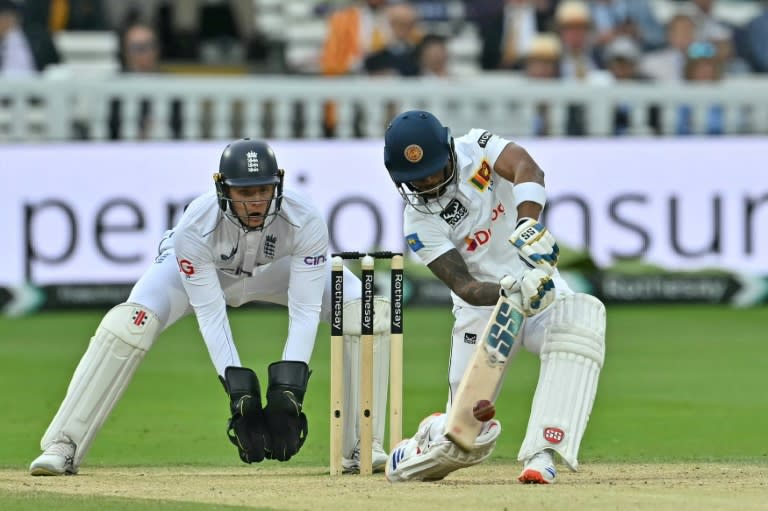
column 484, row 410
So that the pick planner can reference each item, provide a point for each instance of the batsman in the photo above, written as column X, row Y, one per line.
column 472, row 215
column 245, row 240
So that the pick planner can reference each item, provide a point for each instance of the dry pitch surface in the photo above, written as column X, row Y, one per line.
column 680, row 487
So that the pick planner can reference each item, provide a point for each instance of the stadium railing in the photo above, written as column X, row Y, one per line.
column 297, row 107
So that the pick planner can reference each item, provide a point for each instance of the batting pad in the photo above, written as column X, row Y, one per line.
column 121, row 340
column 571, row 359
column 381, row 319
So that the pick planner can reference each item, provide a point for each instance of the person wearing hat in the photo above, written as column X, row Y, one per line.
column 574, row 26
column 542, row 60
column 16, row 58
column 622, row 56
column 621, row 59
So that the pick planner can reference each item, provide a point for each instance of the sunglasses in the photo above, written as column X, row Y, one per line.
column 701, row 50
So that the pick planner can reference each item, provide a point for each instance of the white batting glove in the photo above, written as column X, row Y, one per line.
column 535, row 245
column 536, row 290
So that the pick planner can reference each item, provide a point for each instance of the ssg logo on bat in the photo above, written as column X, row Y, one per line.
column 503, row 332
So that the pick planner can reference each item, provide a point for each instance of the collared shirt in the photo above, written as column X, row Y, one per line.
column 213, row 250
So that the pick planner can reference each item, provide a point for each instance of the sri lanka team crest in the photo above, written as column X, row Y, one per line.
column 413, row 153
column 414, row 242
column 481, row 179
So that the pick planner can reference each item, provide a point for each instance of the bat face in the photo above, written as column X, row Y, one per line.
column 505, row 325
column 484, row 371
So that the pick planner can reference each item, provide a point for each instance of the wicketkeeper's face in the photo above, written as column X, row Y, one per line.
column 251, row 203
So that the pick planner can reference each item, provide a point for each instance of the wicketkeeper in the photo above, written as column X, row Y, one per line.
column 472, row 216
column 245, row 240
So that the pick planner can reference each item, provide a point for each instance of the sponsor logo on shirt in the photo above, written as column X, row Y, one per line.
column 314, row 260
column 484, row 138
column 483, row 236
column 480, row 237
column 481, row 179
column 414, row 242
column 470, row 338
column 270, row 240
column 454, row 213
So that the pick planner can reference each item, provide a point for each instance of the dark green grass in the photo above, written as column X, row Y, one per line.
column 680, row 383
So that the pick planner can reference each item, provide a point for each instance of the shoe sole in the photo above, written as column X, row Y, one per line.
column 377, row 469
column 532, row 477
column 42, row 471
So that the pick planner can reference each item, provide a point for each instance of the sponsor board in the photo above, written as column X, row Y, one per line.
column 91, row 213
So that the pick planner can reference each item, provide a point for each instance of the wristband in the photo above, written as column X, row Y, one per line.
column 529, row 192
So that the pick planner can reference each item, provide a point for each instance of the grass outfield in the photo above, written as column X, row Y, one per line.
column 682, row 383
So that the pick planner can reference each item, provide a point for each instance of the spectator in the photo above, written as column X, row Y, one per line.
column 542, row 58
column 574, row 25
column 668, row 63
column 16, row 58
column 622, row 56
column 722, row 37
column 433, row 56
column 353, row 33
column 228, row 32
column 507, row 27
column 633, row 18
column 752, row 41
column 519, row 30
column 702, row 12
column 701, row 65
column 140, row 55
column 78, row 15
column 400, row 55
column 542, row 62
column 36, row 23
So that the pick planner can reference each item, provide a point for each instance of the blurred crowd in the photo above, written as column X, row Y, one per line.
column 596, row 41
column 593, row 40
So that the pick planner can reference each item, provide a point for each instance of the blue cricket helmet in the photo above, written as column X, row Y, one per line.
column 416, row 146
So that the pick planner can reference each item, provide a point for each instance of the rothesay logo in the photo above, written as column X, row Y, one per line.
column 252, row 160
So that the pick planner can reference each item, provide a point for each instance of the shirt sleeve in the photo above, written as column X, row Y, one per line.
column 426, row 239
column 201, row 283
column 486, row 146
column 305, row 289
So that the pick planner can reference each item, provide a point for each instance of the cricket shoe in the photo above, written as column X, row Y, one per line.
column 430, row 456
column 378, row 455
column 539, row 469
column 56, row 460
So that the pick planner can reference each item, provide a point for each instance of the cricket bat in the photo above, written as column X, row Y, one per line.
column 484, row 371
